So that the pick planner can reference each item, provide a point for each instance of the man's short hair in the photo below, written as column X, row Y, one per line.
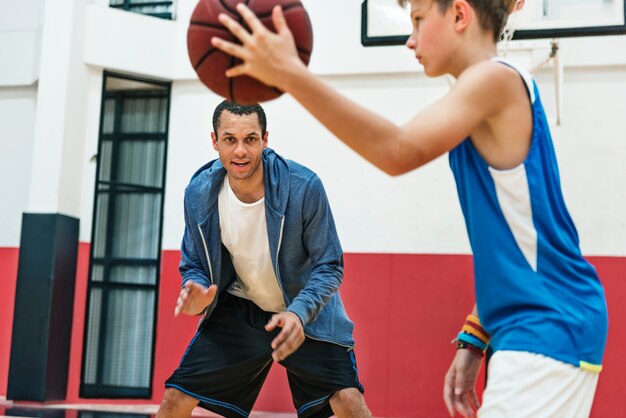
column 240, row 110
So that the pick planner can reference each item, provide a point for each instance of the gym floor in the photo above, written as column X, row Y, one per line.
column 64, row 410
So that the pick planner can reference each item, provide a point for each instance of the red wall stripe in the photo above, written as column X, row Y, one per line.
column 406, row 307
column 8, row 273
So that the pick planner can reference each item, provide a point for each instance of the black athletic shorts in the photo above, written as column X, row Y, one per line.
column 229, row 358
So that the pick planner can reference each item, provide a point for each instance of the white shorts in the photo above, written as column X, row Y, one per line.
column 522, row 384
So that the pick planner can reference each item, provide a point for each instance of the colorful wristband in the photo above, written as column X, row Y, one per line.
column 462, row 345
column 470, row 339
column 476, row 333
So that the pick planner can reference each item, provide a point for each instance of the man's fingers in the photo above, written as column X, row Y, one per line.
column 251, row 20
column 291, row 344
column 271, row 324
column 281, row 337
column 210, row 292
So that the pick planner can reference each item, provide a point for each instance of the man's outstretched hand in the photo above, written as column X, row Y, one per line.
column 290, row 338
column 194, row 298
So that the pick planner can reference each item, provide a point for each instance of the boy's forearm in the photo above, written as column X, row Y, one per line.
column 373, row 137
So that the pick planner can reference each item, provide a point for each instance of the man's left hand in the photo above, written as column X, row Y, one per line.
column 290, row 337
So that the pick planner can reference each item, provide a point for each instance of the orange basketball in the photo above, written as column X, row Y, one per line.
column 211, row 63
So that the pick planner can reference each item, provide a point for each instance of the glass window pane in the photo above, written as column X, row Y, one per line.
column 106, row 151
column 100, row 225
column 118, row 345
column 136, row 226
column 108, row 118
column 127, row 353
column 93, row 337
column 141, row 162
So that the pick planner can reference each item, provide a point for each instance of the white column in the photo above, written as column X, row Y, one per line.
column 61, row 112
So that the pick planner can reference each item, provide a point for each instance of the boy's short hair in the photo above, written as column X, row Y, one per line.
column 237, row 109
column 492, row 14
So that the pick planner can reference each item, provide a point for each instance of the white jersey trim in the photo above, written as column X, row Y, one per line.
column 513, row 195
column 526, row 76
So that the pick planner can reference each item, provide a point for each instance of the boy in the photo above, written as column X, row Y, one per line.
column 542, row 303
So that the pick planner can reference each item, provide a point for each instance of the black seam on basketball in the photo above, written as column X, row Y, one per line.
column 223, row 3
column 285, row 8
column 204, row 57
column 231, row 80
column 303, row 51
column 277, row 90
column 209, row 25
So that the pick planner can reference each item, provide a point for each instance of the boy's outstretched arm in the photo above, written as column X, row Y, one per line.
column 273, row 59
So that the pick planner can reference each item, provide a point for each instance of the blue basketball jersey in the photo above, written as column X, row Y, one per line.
column 534, row 290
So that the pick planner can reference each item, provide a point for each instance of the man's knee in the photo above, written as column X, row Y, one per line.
column 176, row 404
column 348, row 396
column 349, row 402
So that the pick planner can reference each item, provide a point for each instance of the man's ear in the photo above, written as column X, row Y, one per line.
column 214, row 140
column 265, row 138
column 462, row 14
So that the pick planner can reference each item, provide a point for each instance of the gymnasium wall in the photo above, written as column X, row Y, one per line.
column 408, row 269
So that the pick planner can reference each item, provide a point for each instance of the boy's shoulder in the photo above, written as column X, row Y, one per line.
column 493, row 85
column 492, row 74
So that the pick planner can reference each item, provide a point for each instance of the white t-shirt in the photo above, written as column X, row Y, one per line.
column 244, row 233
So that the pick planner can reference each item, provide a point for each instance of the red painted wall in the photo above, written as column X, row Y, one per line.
column 8, row 276
column 407, row 308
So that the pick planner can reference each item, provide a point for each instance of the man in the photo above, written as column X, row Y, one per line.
column 262, row 262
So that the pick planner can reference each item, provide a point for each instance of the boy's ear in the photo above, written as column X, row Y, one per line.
column 462, row 14
column 519, row 5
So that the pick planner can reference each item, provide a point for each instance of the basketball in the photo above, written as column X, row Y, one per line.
column 211, row 64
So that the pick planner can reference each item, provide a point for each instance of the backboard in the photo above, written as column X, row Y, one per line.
column 383, row 22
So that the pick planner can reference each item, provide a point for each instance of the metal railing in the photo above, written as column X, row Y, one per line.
column 160, row 9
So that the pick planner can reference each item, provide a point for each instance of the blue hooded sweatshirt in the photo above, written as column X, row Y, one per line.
column 304, row 246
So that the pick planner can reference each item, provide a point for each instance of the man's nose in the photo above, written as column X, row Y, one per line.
column 240, row 149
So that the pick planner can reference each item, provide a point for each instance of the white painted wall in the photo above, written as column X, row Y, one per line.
column 17, row 120
column 418, row 212
column 20, row 41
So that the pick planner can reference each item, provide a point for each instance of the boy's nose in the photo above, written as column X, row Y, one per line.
column 411, row 43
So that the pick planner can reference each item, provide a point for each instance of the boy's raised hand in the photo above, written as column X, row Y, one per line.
column 266, row 55
column 194, row 298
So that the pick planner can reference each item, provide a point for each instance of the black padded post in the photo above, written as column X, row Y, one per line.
column 44, row 299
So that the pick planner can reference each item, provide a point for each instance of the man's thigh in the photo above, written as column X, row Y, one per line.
column 316, row 371
column 227, row 360
column 523, row 384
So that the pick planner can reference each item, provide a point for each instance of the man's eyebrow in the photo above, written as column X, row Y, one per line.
column 253, row 133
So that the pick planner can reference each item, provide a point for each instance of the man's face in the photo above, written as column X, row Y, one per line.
column 240, row 143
